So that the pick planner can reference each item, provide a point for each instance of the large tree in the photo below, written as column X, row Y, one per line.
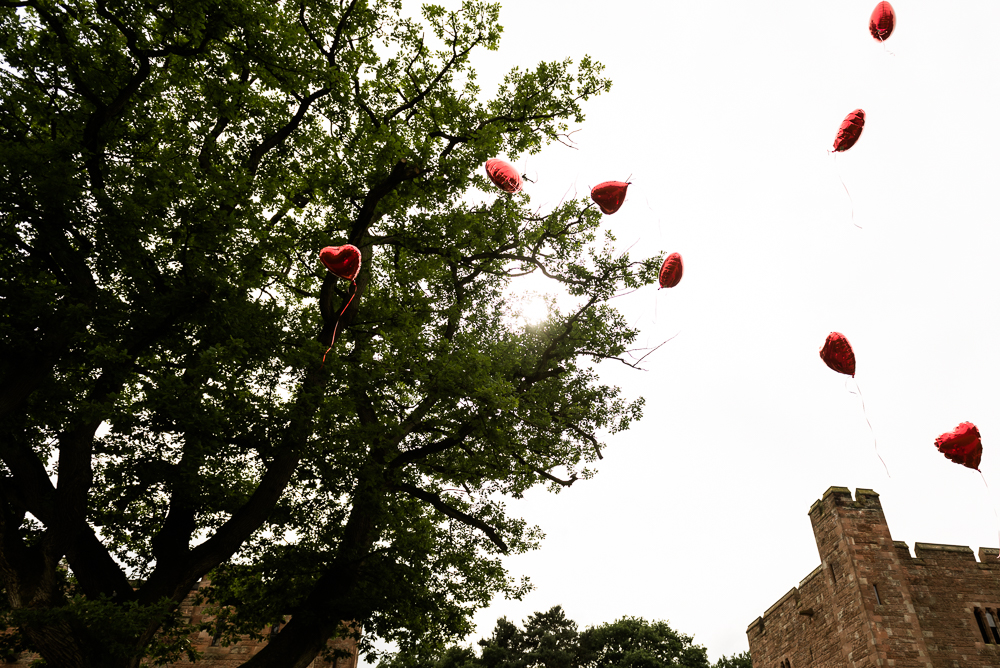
column 169, row 171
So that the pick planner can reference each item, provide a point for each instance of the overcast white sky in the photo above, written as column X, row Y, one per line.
column 723, row 114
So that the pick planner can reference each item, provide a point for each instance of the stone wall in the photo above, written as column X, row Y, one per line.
column 870, row 603
column 948, row 586
column 231, row 656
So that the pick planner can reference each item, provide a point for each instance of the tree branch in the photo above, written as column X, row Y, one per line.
column 401, row 172
column 173, row 578
column 416, row 454
column 453, row 513
column 279, row 136
column 456, row 55
column 634, row 365
column 546, row 474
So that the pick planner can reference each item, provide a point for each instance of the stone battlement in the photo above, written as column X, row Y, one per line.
column 871, row 603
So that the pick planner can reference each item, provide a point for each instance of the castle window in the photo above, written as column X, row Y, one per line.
column 993, row 626
column 982, row 626
column 878, row 599
column 219, row 624
column 833, row 574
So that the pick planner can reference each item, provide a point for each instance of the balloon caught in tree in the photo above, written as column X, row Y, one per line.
column 850, row 131
column 344, row 464
column 342, row 261
column 882, row 22
column 609, row 195
column 503, row 175
column 671, row 271
column 837, row 354
column 963, row 445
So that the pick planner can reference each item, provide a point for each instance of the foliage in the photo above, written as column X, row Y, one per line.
column 548, row 639
column 169, row 173
column 551, row 640
column 741, row 660
column 636, row 643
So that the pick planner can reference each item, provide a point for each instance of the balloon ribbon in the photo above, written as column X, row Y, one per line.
column 865, row 412
column 333, row 338
column 994, row 505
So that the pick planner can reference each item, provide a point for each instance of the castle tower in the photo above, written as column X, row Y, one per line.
column 875, row 619
column 869, row 603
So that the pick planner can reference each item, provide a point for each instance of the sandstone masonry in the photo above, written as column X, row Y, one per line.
column 870, row 603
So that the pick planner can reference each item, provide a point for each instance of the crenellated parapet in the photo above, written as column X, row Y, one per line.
column 871, row 603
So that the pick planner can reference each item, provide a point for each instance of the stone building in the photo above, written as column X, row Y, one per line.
column 871, row 603
column 214, row 654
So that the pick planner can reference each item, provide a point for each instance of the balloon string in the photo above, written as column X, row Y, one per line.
column 994, row 506
column 865, row 412
column 884, row 50
column 845, row 189
column 333, row 338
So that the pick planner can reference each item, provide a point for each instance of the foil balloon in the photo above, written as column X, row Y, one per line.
column 963, row 445
column 342, row 261
column 882, row 22
column 609, row 195
column 837, row 354
column 850, row 131
column 503, row 175
column 671, row 270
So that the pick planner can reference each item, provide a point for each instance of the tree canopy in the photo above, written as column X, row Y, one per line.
column 168, row 174
column 741, row 660
column 550, row 640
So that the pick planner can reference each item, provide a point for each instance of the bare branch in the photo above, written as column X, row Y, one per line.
column 634, row 365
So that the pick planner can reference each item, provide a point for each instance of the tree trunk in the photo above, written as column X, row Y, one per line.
column 332, row 600
column 58, row 646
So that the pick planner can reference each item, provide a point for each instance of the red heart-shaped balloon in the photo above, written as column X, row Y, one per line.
column 504, row 175
column 342, row 261
column 609, row 195
column 837, row 353
column 963, row 445
column 850, row 131
column 882, row 22
column 671, row 271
